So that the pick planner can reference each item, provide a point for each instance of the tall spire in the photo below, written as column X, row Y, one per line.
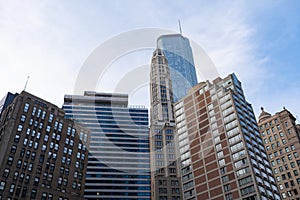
column 180, row 30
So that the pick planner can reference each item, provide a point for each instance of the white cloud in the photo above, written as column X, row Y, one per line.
column 50, row 40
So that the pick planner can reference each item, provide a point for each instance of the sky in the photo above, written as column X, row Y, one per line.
column 50, row 41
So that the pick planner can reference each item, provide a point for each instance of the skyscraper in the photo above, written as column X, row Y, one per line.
column 179, row 54
column 222, row 153
column 43, row 155
column 281, row 139
column 165, row 177
column 6, row 100
column 118, row 163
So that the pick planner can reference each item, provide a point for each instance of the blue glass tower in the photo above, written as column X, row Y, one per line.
column 119, row 159
column 179, row 54
column 6, row 100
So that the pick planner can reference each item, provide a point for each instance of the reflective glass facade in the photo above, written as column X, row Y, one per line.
column 6, row 100
column 118, row 163
column 179, row 54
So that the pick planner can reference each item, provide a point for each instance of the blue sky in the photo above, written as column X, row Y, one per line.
column 50, row 40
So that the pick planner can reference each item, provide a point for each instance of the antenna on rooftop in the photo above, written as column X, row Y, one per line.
column 180, row 30
column 26, row 82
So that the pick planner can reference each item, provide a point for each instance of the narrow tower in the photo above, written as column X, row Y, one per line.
column 164, row 166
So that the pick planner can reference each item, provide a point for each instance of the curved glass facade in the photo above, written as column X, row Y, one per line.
column 179, row 54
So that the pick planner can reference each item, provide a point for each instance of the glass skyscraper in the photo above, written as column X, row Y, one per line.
column 179, row 54
column 119, row 160
column 6, row 100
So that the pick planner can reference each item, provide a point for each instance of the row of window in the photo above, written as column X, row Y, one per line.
column 270, row 124
column 17, row 189
column 283, row 159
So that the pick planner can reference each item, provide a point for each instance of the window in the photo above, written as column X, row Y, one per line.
column 2, row 185
column 6, row 172
column 227, row 188
column 30, row 167
column 283, row 195
column 44, row 195
column 65, row 181
column 12, row 188
column 293, row 147
column 278, row 127
column 225, row 179
column 281, row 169
column 74, row 185
column 245, row 181
column 26, row 107
column 271, row 139
column 18, row 190
column 247, row 190
column 20, row 128
column 296, row 172
column 33, row 193
column 283, row 141
column 286, row 184
column 281, row 134
column 46, row 138
column 16, row 174
column 295, row 154
column 44, row 147
column 50, row 118
column 228, row 196
column 23, row 118
column 222, row 162
column 36, row 181
column 283, row 159
column 10, row 160
column 266, row 141
column 223, row 170
column 13, row 149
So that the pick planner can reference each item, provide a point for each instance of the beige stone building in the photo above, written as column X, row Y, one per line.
column 165, row 174
column 280, row 136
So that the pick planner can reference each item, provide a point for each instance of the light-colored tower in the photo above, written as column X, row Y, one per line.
column 165, row 176
column 281, row 139
column 222, row 153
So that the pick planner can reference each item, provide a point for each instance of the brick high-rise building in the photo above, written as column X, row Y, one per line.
column 43, row 155
column 222, row 153
column 281, row 137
